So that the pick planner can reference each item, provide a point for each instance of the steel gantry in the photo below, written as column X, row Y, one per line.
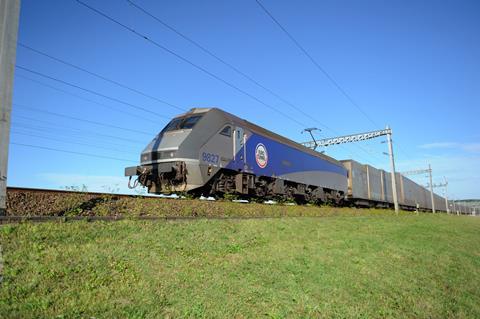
column 423, row 171
column 346, row 138
column 357, row 138
column 445, row 184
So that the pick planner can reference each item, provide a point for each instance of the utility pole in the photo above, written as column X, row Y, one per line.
column 422, row 171
column 392, row 168
column 9, row 14
column 431, row 188
column 446, row 194
column 362, row 137
column 441, row 185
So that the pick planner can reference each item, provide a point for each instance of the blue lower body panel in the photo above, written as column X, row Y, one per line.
column 266, row 157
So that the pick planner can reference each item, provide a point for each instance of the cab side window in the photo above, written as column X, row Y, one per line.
column 227, row 131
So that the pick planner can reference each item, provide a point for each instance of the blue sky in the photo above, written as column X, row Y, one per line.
column 412, row 65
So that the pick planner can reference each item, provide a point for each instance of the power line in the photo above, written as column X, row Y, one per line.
column 210, row 53
column 62, row 130
column 72, row 152
column 401, row 150
column 55, row 125
column 25, row 129
column 73, row 131
column 93, row 92
column 190, row 62
column 68, row 142
column 232, row 67
column 319, row 67
column 144, row 37
column 86, row 99
column 81, row 120
column 107, row 106
column 229, row 65
column 100, row 76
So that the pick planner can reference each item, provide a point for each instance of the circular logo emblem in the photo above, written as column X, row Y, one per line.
column 261, row 155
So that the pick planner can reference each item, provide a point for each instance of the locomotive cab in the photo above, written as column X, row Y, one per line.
column 188, row 152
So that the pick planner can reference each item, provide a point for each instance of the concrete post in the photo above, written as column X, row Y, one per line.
column 9, row 14
column 446, row 195
column 431, row 188
column 392, row 169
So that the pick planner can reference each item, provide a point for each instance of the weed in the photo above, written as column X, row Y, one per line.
column 374, row 265
column 230, row 197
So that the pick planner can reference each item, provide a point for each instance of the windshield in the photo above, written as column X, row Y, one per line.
column 182, row 123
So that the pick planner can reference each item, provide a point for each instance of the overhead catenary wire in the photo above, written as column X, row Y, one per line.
column 224, row 62
column 14, row 132
column 81, row 119
column 237, row 70
column 232, row 67
column 71, row 132
column 141, row 108
column 320, row 68
column 317, row 65
column 87, row 99
column 198, row 67
column 72, row 152
column 67, row 63
column 401, row 150
column 144, row 37
column 54, row 126
column 101, row 77
column 74, row 137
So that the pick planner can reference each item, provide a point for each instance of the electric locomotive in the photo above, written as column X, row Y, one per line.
column 207, row 151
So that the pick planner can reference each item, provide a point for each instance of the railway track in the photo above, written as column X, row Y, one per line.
column 25, row 203
column 61, row 191
column 43, row 205
column 46, row 205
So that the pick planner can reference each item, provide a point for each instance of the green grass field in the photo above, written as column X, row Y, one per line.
column 371, row 266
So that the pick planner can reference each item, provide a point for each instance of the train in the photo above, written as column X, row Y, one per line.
column 210, row 152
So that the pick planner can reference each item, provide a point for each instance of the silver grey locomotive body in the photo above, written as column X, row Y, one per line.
column 211, row 151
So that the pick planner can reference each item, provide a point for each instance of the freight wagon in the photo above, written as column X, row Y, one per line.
column 371, row 187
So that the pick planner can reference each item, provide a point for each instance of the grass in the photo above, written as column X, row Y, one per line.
column 375, row 266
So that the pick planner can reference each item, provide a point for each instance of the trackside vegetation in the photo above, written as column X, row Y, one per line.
column 360, row 266
column 86, row 204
